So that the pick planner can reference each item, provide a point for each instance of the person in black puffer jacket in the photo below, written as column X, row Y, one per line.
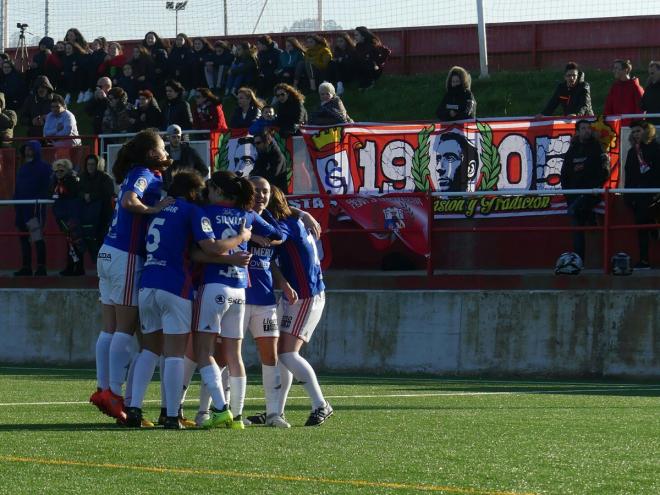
column 458, row 102
column 642, row 170
column 573, row 95
column 37, row 106
column 290, row 110
column 585, row 166
column 67, row 209
column 176, row 110
column 651, row 100
column 96, row 192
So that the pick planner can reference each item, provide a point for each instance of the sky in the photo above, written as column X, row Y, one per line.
column 131, row 19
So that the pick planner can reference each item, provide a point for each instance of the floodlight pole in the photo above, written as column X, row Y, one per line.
column 224, row 9
column 481, row 30
column 46, row 13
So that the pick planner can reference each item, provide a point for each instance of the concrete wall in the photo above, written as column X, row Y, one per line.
column 560, row 333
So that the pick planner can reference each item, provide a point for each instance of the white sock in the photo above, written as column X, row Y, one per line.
column 303, row 372
column 204, row 397
column 120, row 358
column 161, row 372
column 224, row 373
column 128, row 395
column 270, row 376
column 145, row 365
column 189, row 367
column 286, row 379
column 238, row 385
column 173, row 384
column 103, row 360
column 211, row 378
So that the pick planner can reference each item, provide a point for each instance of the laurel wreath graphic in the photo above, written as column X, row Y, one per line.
column 222, row 158
column 287, row 156
column 490, row 159
column 421, row 159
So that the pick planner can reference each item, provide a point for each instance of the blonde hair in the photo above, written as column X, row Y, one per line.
column 63, row 162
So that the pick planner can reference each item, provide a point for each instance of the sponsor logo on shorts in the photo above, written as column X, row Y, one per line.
column 207, row 228
column 286, row 321
column 105, row 256
column 270, row 325
column 141, row 184
column 231, row 300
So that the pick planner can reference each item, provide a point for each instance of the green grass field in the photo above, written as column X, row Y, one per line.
column 388, row 435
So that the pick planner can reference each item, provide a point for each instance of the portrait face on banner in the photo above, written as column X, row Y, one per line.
column 453, row 164
column 242, row 156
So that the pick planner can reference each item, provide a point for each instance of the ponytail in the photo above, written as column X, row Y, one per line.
column 238, row 189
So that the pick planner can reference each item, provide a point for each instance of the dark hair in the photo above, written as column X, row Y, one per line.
column 580, row 122
column 134, row 152
column 205, row 43
column 249, row 51
column 648, row 135
column 175, row 85
column 463, row 75
column 58, row 99
column 571, row 66
column 221, row 43
column 119, row 94
column 278, row 204
column 103, row 42
column 320, row 40
column 186, row 184
column 100, row 164
column 350, row 42
column 234, row 187
column 625, row 64
column 296, row 44
column 76, row 47
column 186, row 41
column 369, row 37
column 293, row 92
column 160, row 43
column 209, row 95
column 266, row 40
column 80, row 39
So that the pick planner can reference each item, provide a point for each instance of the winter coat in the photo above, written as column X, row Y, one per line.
column 112, row 67
column 8, row 120
column 196, row 68
column 189, row 159
column 65, row 192
column 14, row 87
column 289, row 60
column 290, row 115
column 130, row 85
column 586, row 166
column 35, row 106
column 271, row 165
column 651, row 101
column 153, row 117
column 177, row 112
column 179, row 65
column 101, row 189
column 575, row 100
column 117, row 119
column 624, row 97
column 96, row 109
column 268, row 61
column 330, row 112
column 319, row 56
column 32, row 182
column 461, row 101
column 210, row 116
column 642, row 170
column 240, row 121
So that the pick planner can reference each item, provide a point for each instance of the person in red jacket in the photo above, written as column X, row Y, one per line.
column 208, row 113
column 626, row 93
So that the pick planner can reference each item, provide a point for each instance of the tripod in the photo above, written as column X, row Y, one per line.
column 21, row 58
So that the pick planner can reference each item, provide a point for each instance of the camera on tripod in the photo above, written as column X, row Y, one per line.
column 21, row 26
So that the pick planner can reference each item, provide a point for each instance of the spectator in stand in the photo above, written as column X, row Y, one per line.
column 290, row 110
column 183, row 156
column 147, row 114
column 143, row 67
column 85, row 79
column 458, row 102
column 201, row 52
column 95, row 60
column 217, row 66
column 96, row 192
column 176, row 110
column 54, row 64
column 244, row 69
column 651, row 100
column 97, row 105
column 113, row 63
column 8, row 120
column 60, row 123
column 73, row 72
column 573, row 95
column 317, row 58
column 642, row 170
column 342, row 66
column 270, row 163
column 585, row 166
column 128, row 83
column 331, row 110
column 37, row 107
column 32, row 182
column 248, row 109
column 158, row 49
column 292, row 62
column 370, row 57
column 117, row 116
column 38, row 64
column 268, row 56
column 13, row 85
column 180, row 60
column 67, row 209
column 152, row 42
column 73, row 35
column 625, row 94
column 208, row 112
column 264, row 122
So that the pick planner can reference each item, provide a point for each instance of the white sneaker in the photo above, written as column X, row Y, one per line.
column 340, row 88
column 201, row 417
column 88, row 96
column 67, row 99
column 277, row 421
column 81, row 97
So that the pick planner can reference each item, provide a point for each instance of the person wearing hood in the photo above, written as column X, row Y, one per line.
column 33, row 180
column 37, row 106
column 458, row 102
column 651, row 100
column 59, row 123
column 573, row 95
column 626, row 93
column 8, row 121
column 176, row 110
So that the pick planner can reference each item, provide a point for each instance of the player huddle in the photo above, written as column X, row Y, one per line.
column 196, row 270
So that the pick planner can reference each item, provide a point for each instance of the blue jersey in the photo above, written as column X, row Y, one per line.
column 260, row 291
column 226, row 221
column 170, row 234
column 299, row 259
column 128, row 229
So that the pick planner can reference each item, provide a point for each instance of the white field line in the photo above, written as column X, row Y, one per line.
column 378, row 396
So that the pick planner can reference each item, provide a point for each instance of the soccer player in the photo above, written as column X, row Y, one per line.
column 300, row 310
column 166, row 292
column 138, row 169
column 221, row 296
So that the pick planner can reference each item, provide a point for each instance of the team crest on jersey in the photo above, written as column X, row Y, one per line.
column 220, row 299
column 141, row 184
column 207, row 228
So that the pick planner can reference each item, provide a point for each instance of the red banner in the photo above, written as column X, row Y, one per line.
column 320, row 210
